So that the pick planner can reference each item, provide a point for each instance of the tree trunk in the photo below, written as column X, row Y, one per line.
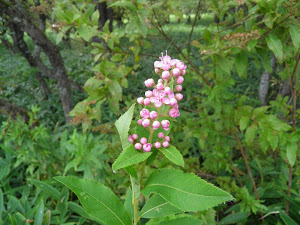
column 264, row 82
column 23, row 20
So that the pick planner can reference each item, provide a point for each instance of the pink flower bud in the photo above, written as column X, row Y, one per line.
column 153, row 115
column 179, row 80
column 147, row 101
column 143, row 140
column 160, row 81
column 157, row 144
column 176, row 72
column 140, row 100
column 183, row 72
column 168, row 90
column 180, row 65
column 179, row 96
column 130, row 139
column 145, row 113
column 146, row 123
column 161, row 135
column 174, row 113
column 148, row 94
column 165, row 144
column 135, row 136
column 166, row 66
column 173, row 101
column 167, row 138
column 157, row 64
column 178, row 88
column 165, row 123
column 173, row 62
column 147, row 147
column 156, row 125
column 156, row 70
column 160, row 86
column 140, row 121
column 166, row 128
column 138, row 146
column 149, row 82
column 165, row 75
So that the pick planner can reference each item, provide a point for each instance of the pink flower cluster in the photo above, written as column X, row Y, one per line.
column 163, row 98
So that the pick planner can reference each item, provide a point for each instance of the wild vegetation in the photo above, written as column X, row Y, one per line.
column 71, row 69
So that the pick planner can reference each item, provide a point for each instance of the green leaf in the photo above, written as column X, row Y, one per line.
column 125, row 4
column 241, row 64
column 291, row 152
column 287, row 219
column 84, row 32
column 244, row 122
column 39, row 214
column 1, row 203
column 182, row 220
column 95, row 17
column 78, row 209
column 295, row 35
column 47, row 218
column 273, row 139
column 59, row 37
column 275, row 46
column 123, row 124
column 234, row 218
column 158, row 207
column 250, row 133
column 130, row 156
column 185, row 191
column 98, row 201
column 128, row 203
column 46, row 188
column 173, row 155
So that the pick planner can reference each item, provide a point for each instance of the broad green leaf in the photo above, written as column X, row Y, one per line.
column 244, row 122
column 123, row 124
column 157, row 207
column 173, row 155
column 130, row 156
column 95, row 17
column 287, row 219
column 273, row 139
column 39, row 214
column 275, row 46
column 295, row 35
column 185, row 191
column 234, row 218
column 291, row 152
column 250, row 133
column 98, row 201
column 84, row 32
column 241, row 63
column 48, row 189
column 59, row 37
column 182, row 221
column 136, row 188
column 128, row 203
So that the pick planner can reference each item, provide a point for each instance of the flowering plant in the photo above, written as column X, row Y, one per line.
column 165, row 195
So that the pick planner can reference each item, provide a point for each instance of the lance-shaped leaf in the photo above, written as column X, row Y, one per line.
column 173, row 155
column 123, row 124
column 130, row 156
column 185, row 191
column 98, row 201
column 158, row 207
column 181, row 221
